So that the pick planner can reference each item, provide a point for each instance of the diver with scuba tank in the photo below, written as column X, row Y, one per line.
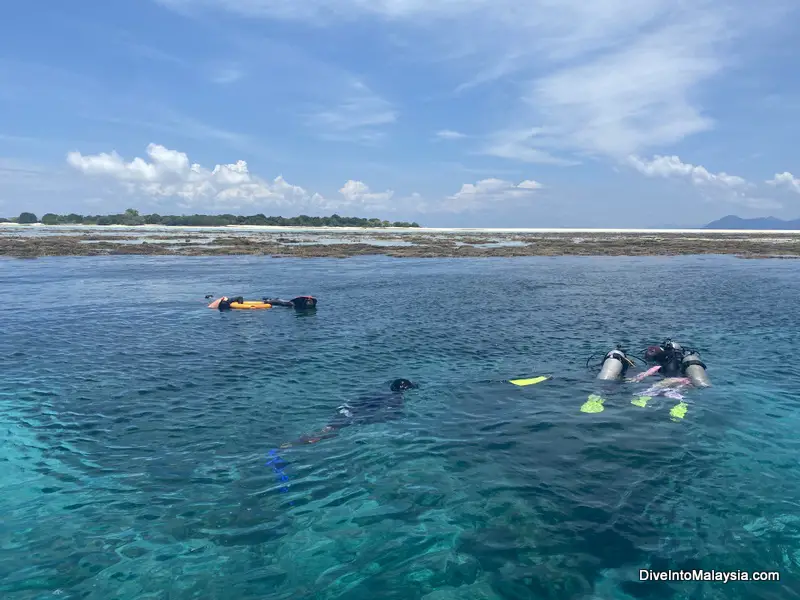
column 615, row 365
column 670, row 360
column 678, row 367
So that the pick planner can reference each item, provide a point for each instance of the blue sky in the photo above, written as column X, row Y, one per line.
column 494, row 113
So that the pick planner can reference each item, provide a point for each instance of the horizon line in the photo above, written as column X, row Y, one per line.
column 417, row 229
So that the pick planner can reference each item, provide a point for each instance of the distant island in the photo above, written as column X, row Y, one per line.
column 734, row 222
column 132, row 217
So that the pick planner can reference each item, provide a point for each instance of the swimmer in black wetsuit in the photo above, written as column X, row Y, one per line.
column 365, row 410
column 299, row 303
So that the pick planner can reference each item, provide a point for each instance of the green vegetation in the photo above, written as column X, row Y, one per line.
column 132, row 217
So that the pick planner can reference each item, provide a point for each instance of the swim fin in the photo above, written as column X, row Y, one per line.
column 531, row 381
column 641, row 401
column 593, row 404
column 278, row 464
column 678, row 411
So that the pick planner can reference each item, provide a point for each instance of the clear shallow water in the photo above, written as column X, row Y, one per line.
column 135, row 426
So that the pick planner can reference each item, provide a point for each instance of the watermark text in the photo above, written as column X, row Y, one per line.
column 704, row 575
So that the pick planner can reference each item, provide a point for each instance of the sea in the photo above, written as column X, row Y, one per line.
column 141, row 432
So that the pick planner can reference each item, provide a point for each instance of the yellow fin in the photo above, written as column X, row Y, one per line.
column 679, row 410
column 523, row 382
column 641, row 401
column 593, row 404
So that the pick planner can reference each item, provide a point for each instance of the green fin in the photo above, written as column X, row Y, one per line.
column 593, row 404
column 679, row 410
column 531, row 381
column 641, row 401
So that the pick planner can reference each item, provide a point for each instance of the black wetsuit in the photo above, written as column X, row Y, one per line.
column 376, row 408
column 671, row 367
column 369, row 409
column 299, row 303
column 669, row 359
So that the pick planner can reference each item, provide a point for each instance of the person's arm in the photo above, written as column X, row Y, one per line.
column 650, row 371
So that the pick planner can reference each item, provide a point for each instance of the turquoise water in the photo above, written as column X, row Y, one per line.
column 136, row 425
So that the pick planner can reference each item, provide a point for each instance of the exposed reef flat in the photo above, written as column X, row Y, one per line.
column 33, row 242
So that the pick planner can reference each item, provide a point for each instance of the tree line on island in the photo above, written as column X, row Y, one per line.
column 132, row 217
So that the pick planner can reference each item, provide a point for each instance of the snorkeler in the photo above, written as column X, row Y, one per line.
column 365, row 410
column 224, row 303
column 299, row 303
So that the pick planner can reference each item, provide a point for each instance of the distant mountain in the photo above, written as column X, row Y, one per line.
column 734, row 222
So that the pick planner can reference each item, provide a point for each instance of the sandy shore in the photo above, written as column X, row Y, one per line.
column 69, row 240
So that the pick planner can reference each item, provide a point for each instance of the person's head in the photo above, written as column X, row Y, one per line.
column 401, row 385
column 305, row 302
column 655, row 354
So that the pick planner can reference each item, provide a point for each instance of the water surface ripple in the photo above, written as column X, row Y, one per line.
column 136, row 424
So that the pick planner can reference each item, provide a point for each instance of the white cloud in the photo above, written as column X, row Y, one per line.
column 169, row 174
column 358, row 193
column 487, row 192
column 448, row 134
column 786, row 180
column 603, row 78
column 632, row 99
column 715, row 187
column 672, row 166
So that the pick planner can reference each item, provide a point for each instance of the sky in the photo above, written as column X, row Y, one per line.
column 459, row 113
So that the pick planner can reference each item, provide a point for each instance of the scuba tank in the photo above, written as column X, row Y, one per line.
column 614, row 366
column 695, row 369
